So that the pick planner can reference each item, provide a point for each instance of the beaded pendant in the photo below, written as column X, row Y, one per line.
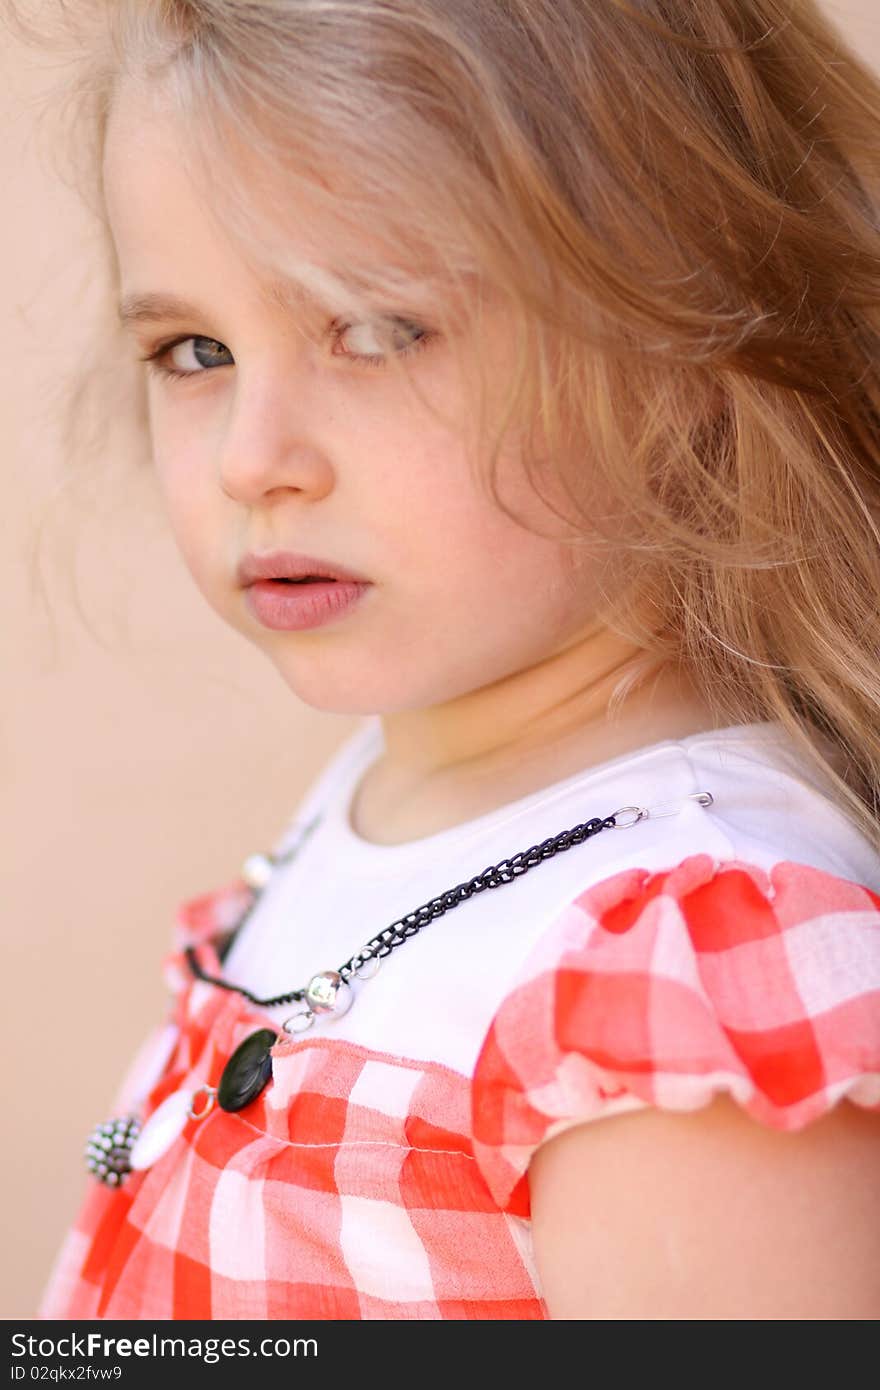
column 108, row 1149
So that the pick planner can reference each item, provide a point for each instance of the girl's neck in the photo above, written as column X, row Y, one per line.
column 444, row 766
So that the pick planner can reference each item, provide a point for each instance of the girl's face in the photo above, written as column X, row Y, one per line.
column 279, row 439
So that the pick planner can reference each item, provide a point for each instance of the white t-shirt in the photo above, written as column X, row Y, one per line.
column 433, row 996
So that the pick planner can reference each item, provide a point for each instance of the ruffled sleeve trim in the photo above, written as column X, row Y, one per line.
column 211, row 915
column 207, row 918
column 667, row 988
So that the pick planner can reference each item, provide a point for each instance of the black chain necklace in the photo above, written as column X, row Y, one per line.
column 121, row 1145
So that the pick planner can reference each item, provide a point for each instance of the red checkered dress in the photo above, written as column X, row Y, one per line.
column 359, row 1184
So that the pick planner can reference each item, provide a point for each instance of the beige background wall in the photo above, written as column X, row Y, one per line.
column 139, row 765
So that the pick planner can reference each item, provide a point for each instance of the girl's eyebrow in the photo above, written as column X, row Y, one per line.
column 151, row 308
column 288, row 293
column 158, row 307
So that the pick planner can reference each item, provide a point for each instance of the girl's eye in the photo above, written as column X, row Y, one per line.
column 175, row 359
column 365, row 333
column 187, row 350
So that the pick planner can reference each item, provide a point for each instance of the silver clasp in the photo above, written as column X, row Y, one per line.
column 639, row 813
column 298, row 1022
column 210, row 1095
column 660, row 810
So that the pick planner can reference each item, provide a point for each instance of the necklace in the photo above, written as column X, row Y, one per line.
column 122, row 1145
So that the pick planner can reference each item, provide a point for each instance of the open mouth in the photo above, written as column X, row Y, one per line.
column 272, row 601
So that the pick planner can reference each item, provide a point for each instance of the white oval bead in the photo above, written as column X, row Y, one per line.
column 159, row 1132
column 257, row 870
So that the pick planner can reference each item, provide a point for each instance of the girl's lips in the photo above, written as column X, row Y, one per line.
column 286, row 564
column 288, row 607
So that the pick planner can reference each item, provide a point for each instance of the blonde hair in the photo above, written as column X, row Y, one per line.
column 678, row 200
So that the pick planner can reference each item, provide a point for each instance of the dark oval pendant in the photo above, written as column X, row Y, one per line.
column 247, row 1071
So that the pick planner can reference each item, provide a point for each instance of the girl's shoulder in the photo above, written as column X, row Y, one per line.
column 665, row 987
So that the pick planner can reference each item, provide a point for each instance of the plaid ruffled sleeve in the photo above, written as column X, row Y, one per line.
column 667, row 988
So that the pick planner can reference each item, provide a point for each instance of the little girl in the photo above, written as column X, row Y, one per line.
column 511, row 374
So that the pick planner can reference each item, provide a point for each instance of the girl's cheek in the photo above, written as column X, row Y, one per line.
column 185, row 498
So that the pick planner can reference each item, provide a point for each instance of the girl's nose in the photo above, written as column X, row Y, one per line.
column 273, row 441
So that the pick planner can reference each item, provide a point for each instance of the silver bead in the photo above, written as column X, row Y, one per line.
column 328, row 993
column 256, row 871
